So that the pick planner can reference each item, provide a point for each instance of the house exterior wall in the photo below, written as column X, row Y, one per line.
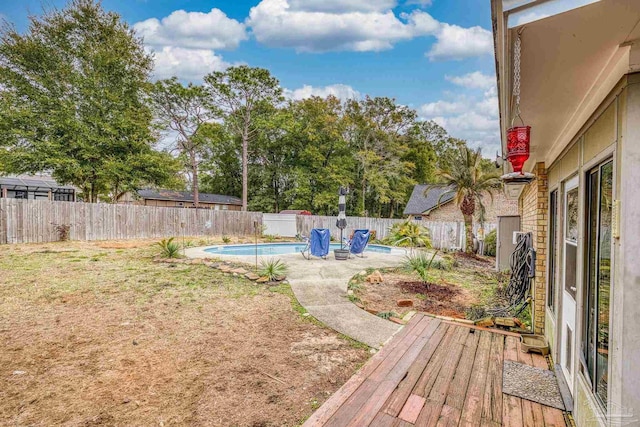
column 501, row 206
column 612, row 133
column 533, row 208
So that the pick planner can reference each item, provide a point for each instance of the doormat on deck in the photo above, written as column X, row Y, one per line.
column 535, row 384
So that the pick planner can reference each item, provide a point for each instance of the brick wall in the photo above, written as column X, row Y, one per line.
column 533, row 208
column 500, row 206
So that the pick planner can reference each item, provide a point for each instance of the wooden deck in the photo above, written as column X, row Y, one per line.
column 437, row 373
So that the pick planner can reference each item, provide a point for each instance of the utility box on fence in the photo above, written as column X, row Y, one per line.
column 507, row 225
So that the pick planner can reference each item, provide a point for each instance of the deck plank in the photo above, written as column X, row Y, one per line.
column 429, row 375
column 452, row 409
column 532, row 414
column 412, row 408
column 396, row 401
column 437, row 396
column 553, row 417
column 512, row 411
column 390, row 383
column 331, row 406
column 472, row 409
column 362, row 407
column 492, row 403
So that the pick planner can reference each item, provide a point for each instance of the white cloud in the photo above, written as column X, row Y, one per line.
column 471, row 118
column 187, row 64
column 422, row 3
column 276, row 24
column 340, row 91
column 475, row 80
column 196, row 30
column 359, row 25
column 341, row 6
column 455, row 43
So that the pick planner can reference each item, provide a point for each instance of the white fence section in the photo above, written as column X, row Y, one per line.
column 379, row 225
column 280, row 224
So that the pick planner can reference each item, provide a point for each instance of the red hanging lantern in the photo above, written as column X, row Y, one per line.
column 518, row 139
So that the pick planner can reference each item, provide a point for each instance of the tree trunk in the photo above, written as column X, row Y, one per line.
column 245, row 166
column 468, row 228
column 196, row 185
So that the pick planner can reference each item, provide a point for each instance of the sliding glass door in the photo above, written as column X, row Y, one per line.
column 595, row 333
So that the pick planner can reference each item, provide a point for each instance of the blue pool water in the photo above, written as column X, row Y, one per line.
column 278, row 249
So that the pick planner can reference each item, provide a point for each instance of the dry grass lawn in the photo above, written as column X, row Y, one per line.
column 97, row 334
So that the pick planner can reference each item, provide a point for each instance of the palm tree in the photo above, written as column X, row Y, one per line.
column 469, row 183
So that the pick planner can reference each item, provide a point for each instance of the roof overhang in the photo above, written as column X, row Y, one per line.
column 570, row 62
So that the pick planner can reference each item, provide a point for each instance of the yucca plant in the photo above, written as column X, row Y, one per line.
column 420, row 263
column 273, row 269
column 169, row 248
column 409, row 234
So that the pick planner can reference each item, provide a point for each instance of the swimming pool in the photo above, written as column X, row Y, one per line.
column 278, row 249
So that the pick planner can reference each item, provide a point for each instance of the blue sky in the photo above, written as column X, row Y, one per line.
column 433, row 55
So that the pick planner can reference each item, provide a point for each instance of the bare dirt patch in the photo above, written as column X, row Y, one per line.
column 92, row 336
column 471, row 282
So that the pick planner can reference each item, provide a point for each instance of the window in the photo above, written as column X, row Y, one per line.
column 595, row 339
column 553, row 229
column 571, row 242
column 21, row 194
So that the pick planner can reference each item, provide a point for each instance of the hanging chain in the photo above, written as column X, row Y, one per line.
column 516, row 75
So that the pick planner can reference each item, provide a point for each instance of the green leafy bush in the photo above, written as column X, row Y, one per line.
column 169, row 248
column 408, row 234
column 490, row 243
column 273, row 269
column 226, row 239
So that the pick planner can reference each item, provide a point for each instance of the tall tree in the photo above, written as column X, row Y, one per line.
column 181, row 112
column 240, row 93
column 73, row 100
column 469, row 181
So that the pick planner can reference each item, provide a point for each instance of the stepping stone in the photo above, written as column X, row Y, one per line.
column 262, row 280
column 239, row 271
column 252, row 276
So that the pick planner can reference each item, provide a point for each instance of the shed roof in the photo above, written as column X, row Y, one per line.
column 32, row 182
column 187, row 196
column 423, row 201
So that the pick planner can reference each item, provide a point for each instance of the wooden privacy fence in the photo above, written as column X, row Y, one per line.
column 32, row 221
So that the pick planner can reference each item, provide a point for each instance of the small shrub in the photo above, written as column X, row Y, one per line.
column 269, row 238
column 490, row 243
column 373, row 235
column 189, row 244
column 226, row 239
column 169, row 248
column 63, row 231
column 273, row 269
column 387, row 314
column 420, row 263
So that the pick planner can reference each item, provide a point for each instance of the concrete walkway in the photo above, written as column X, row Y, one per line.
column 321, row 288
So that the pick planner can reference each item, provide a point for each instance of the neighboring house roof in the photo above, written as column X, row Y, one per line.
column 187, row 196
column 32, row 182
column 422, row 201
column 295, row 211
